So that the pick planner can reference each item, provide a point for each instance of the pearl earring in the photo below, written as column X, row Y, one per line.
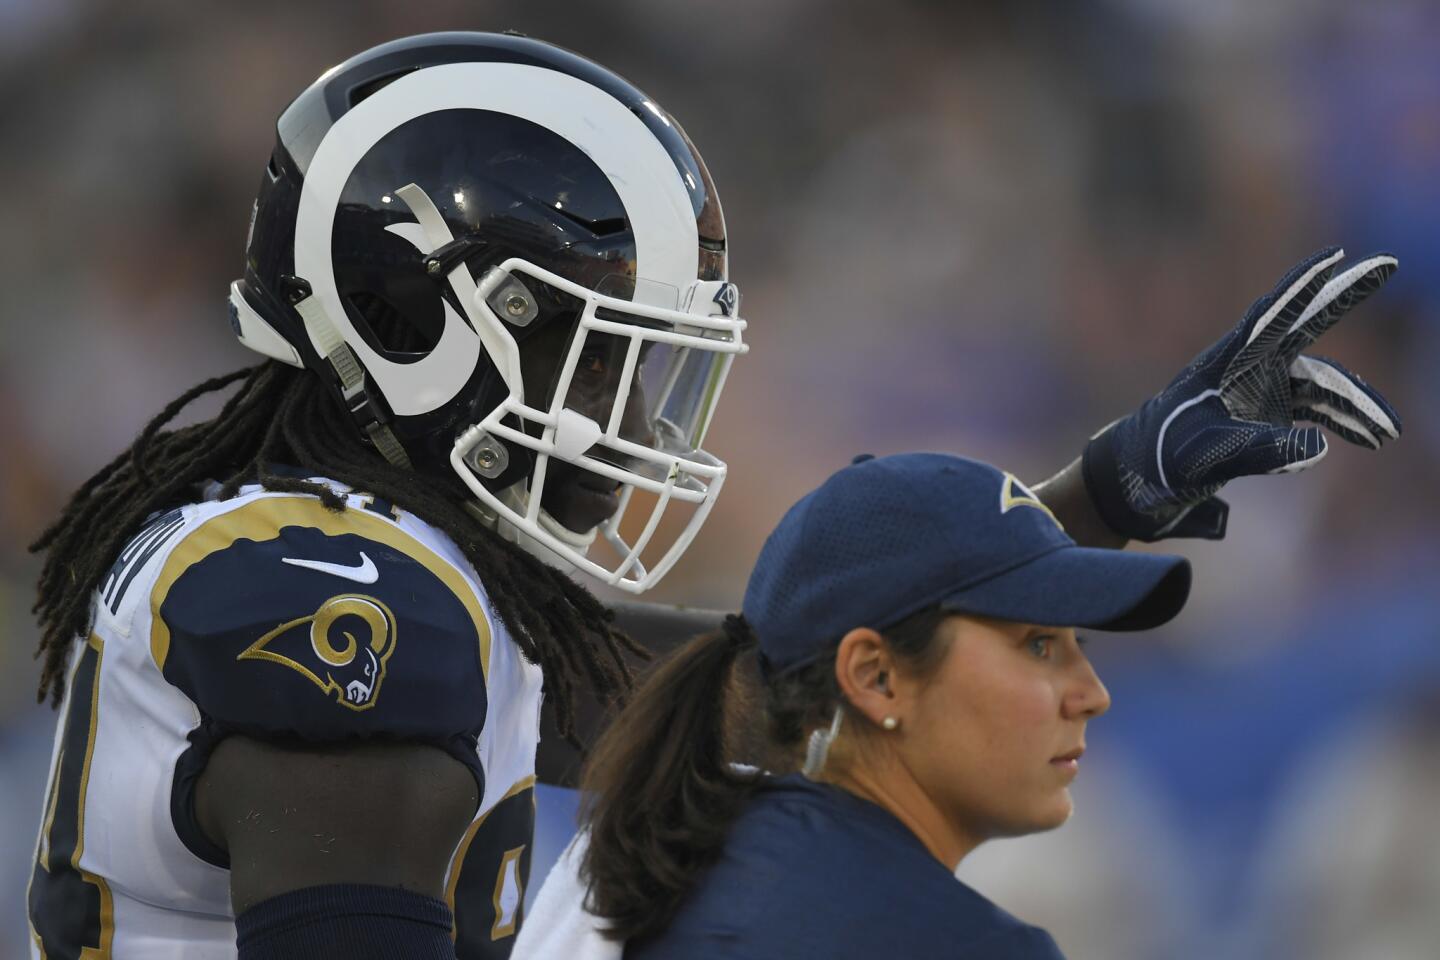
column 890, row 723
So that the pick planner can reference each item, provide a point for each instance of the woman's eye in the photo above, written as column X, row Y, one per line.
column 1039, row 647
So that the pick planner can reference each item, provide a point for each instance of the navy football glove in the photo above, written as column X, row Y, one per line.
column 1232, row 412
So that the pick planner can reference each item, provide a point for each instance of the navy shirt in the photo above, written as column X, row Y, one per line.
column 810, row 870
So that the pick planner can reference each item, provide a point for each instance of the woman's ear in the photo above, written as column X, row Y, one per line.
column 865, row 672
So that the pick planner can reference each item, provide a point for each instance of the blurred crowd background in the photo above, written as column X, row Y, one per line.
column 982, row 228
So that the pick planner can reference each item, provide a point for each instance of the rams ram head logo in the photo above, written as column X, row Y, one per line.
column 343, row 651
column 728, row 297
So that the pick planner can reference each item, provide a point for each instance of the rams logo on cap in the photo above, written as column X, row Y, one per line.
column 344, row 650
column 1013, row 494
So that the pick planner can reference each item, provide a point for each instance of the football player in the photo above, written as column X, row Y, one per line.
column 299, row 647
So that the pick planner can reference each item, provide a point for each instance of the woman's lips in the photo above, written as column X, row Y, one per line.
column 1069, row 761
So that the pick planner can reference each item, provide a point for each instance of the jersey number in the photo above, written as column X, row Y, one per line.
column 487, row 885
column 71, row 914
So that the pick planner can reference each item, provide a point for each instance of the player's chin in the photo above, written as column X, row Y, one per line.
column 579, row 500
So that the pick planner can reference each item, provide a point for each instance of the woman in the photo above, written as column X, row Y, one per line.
column 918, row 688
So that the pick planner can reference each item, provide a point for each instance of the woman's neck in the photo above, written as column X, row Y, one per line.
column 895, row 790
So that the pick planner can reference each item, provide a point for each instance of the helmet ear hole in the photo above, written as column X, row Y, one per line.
column 388, row 329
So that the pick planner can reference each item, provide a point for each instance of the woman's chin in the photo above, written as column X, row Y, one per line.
column 1054, row 812
column 1057, row 813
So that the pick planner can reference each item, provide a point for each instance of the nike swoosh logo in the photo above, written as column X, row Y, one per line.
column 364, row 573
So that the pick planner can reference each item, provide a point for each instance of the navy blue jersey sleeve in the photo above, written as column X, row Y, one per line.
column 279, row 618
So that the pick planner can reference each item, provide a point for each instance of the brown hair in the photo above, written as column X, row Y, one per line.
column 661, row 788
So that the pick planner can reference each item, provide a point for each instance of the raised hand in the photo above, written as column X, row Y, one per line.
column 1234, row 410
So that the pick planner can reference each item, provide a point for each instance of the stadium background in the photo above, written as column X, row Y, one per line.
column 984, row 228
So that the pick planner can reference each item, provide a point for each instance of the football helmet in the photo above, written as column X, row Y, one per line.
column 507, row 261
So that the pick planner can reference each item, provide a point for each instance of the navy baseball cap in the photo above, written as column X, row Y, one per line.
column 890, row 536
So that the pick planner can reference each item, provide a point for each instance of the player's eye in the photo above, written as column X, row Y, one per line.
column 592, row 362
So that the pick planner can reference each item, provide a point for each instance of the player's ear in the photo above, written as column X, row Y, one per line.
column 865, row 672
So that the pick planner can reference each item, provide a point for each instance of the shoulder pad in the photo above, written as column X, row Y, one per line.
column 152, row 538
column 282, row 618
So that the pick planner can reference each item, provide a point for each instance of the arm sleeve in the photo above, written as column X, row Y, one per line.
column 354, row 921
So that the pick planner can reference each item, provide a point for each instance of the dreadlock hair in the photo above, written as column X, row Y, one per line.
column 282, row 415
column 665, row 781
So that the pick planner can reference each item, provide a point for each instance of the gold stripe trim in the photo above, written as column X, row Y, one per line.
column 50, row 805
column 107, row 904
column 262, row 520
column 499, row 931
column 93, row 641
column 458, row 861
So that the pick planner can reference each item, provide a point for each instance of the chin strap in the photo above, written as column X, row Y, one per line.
column 333, row 348
column 514, row 497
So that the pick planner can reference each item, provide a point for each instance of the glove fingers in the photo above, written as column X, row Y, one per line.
column 1342, row 412
column 1279, row 450
column 1214, row 455
column 1335, row 405
column 1322, row 380
column 1277, row 312
column 1300, row 448
column 1339, row 423
column 1341, row 294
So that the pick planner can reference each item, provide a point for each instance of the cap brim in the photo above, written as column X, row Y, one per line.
column 1083, row 587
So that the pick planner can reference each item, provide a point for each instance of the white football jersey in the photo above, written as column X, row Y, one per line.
column 268, row 615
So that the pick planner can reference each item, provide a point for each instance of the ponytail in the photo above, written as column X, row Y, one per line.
column 660, row 790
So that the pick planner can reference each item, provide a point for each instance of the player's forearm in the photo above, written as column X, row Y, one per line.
column 1067, row 498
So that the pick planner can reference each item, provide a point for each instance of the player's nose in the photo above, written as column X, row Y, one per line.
column 635, row 423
